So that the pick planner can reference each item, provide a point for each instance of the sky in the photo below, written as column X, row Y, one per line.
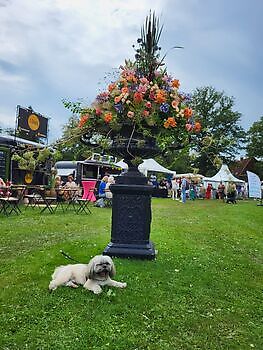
column 55, row 49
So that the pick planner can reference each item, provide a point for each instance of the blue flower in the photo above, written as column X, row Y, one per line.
column 118, row 107
column 164, row 107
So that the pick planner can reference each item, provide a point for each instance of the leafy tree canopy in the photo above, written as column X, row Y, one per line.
column 66, row 147
column 255, row 140
column 221, row 135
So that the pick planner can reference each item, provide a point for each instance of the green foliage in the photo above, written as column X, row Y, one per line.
column 30, row 159
column 204, row 290
column 69, row 146
column 255, row 140
column 221, row 135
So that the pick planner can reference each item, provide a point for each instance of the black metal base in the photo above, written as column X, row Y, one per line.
column 131, row 217
column 139, row 251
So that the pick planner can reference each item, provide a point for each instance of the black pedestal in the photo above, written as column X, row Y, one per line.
column 131, row 218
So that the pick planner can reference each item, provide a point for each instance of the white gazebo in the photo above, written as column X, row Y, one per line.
column 224, row 175
column 148, row 165
column 153, row 166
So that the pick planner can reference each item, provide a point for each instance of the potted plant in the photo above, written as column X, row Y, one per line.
column 140, row 114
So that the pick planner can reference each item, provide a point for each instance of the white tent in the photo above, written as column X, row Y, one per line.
column 147, row 165
column 224, row 175
column 122, row 164
column 152, row 165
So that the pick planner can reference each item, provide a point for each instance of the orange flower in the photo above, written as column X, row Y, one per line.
column 111, row 87
column 107, row 117
column 83, row 120
column 170, row 122
column 188, row 112
column 137, row 97
column 175, row 83
column 125, row 90
column 175, row 103
column 117, row 99
column 197, row 127
column 160, row 96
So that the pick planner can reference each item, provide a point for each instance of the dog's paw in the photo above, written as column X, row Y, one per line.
column 97, row 291
column 123, row 285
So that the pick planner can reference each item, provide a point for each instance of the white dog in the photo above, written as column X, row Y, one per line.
column 92, row 276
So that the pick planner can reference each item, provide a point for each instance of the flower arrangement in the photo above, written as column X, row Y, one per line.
column 144, row 99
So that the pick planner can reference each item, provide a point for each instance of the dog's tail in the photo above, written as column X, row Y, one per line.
column 69, row 257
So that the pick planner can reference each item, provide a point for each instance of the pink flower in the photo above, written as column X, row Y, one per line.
column 144, row 81
column 148, row 104
column 142, row 89
column 188, row 127
column 130, row 114
column 152, row 95
column 145, row 113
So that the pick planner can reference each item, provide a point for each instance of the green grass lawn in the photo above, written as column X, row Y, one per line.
column 204, row 290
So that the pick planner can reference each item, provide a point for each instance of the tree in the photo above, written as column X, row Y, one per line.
column 221, row 136
column 66, row 147
column 255, row 140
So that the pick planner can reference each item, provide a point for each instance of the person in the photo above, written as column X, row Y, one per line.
column 175, row 187
column 102, row 193
column 70, row 185
column 202, row 191
column 231, row 193
column 183, row 189
column 153, row 180
column 108, row 192
column 2, row 187
column 2, row 183
column 59, row 188
column 192, row 192
column 208, row 191
column 221, row 190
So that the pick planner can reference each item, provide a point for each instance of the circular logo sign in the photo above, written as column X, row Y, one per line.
column 28, row 178
column 33, row 122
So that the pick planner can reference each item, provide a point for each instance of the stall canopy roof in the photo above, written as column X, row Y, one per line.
column 148, row 165
column 152, row 165
column 224, row 175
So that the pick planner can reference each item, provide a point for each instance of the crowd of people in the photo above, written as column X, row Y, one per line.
column 182, row 189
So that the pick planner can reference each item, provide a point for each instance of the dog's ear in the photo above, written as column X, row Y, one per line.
column 91, row 269
column 112, row 270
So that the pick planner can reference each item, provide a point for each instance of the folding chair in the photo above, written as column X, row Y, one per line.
column 9, row 203
column 87, row 197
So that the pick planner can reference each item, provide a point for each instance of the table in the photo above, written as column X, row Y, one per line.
column 72, row 198
column 38, row 198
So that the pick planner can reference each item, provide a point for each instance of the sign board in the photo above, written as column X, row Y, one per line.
column 31, row 126
column 254, row 185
